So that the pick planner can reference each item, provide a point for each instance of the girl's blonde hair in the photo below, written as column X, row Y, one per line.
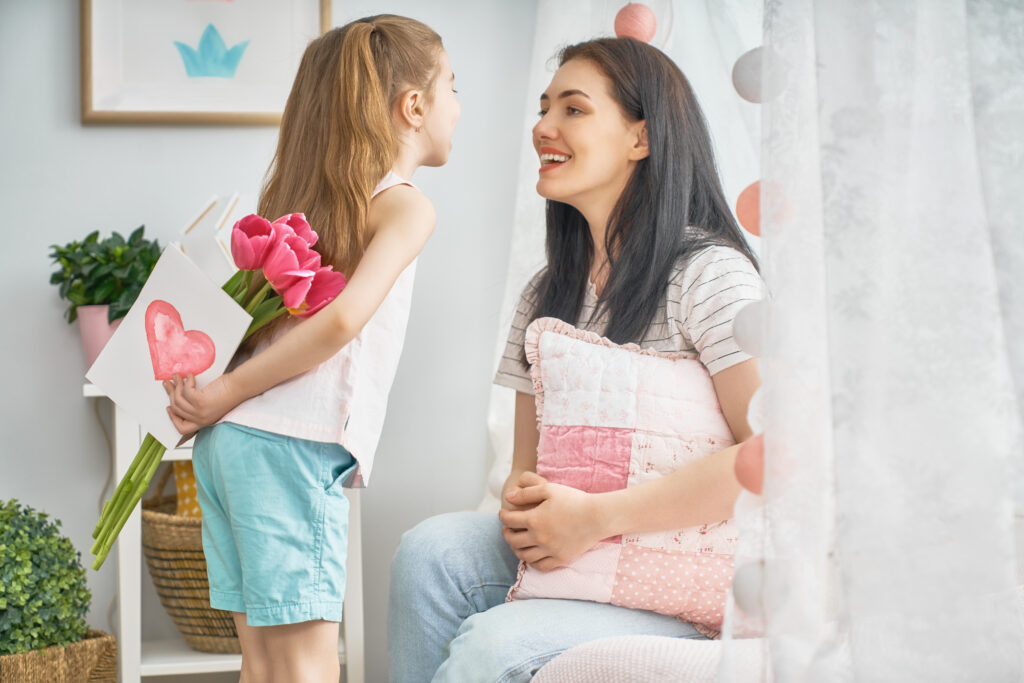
column 337, row 137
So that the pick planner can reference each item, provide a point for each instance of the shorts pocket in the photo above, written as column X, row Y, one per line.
column 339, row 467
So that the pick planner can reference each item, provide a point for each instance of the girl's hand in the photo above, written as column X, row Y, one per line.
column 560, row 525
column 192, row 408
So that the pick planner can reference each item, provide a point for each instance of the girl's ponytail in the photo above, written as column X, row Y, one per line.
column 365, row 145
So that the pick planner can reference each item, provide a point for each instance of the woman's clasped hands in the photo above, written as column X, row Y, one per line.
column 549, row 525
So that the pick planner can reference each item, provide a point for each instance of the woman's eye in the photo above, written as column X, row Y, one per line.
column 541, row 113
column 572, row 111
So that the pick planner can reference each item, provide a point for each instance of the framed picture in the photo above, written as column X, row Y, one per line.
column 194, row 61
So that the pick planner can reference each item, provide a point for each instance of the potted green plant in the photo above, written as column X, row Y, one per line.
column 43, row 603
column 100, row 280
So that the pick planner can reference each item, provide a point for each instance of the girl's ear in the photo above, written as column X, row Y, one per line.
column 412, row 108
column 641, row 149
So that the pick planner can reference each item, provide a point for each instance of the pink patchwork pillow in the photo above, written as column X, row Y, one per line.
column 612, row 417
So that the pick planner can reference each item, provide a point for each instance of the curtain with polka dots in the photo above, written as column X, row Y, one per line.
column 884, row 546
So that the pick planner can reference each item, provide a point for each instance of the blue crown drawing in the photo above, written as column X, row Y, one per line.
column 213, row 58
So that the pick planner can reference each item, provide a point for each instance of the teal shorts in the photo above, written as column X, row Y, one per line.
column 275, row 523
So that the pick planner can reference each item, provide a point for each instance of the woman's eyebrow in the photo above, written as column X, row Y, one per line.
column 564, row 94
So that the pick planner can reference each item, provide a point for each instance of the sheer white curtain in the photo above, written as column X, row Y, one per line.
column 894, row 342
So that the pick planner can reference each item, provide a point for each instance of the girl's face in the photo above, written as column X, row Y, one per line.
column 587, row 147
column 441, row 116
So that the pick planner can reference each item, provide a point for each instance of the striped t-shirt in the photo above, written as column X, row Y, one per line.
column 701, row 300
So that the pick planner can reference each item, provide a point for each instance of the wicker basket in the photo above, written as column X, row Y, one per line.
column 91, row 660
column 173, row 547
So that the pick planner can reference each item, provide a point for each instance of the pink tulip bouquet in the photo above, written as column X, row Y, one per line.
column 296, row 283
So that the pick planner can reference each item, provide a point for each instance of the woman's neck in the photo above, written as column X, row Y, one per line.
column 597, row 207
column 597, row 216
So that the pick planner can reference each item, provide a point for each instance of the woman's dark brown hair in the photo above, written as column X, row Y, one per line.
column 672, row 206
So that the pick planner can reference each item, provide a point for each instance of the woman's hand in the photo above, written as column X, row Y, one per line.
column 510, row 487
column 193, row 408
column 553, row 525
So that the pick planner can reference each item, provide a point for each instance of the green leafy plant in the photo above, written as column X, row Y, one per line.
column 43, row 595
column 110, row 271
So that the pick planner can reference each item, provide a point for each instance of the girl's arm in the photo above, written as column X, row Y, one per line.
column 524, row 448
column 399, row 222
column 560, row 522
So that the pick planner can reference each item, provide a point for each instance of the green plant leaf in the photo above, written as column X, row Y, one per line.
column 103, row 271
column 78, row 298
column 96, row 271
column 102, row 293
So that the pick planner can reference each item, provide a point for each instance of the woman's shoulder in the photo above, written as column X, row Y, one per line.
column 710, row 263
column 709, row 279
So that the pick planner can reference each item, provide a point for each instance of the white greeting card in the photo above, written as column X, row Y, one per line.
column 181, row 323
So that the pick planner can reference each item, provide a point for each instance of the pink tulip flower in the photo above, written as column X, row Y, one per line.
column 251, row 238
column 294, row 294
column 326, row 285
column 290, row 266
column 297, row 222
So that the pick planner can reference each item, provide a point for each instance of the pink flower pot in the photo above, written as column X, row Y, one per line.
column 96, row 331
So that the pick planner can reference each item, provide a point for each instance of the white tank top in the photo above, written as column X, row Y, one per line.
column 343, row 400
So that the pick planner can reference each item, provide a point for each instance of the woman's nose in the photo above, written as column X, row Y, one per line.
column 544, row 130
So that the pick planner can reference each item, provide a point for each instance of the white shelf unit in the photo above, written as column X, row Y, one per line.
column 138, row 658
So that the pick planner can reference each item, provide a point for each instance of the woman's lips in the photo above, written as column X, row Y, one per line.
column 551, row 158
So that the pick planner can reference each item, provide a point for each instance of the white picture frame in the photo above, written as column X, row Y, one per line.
column 228, row 62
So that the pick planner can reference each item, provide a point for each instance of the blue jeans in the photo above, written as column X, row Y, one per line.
column 448, row 619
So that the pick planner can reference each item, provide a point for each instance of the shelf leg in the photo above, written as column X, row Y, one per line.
column 352, row 620
column 129, row 630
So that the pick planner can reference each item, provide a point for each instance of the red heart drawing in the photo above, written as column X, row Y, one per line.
column 172, row 349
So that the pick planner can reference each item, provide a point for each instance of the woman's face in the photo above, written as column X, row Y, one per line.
column 587, row 146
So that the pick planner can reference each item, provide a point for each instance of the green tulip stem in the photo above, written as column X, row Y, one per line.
column 258, row 297
column 122, row 487
column 257, row 324
column 243, row 289
column 120, row 500
column 138, row 489
column 231, row 286
column 102, row 530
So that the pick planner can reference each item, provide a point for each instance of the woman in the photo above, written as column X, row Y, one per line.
column 641, row 247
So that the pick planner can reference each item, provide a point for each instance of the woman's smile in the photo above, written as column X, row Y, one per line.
column 552, row 158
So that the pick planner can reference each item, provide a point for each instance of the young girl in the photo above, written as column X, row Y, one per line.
column 641, row 247
column 372, row 102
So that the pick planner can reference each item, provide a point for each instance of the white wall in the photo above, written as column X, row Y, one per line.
column 59, row 180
